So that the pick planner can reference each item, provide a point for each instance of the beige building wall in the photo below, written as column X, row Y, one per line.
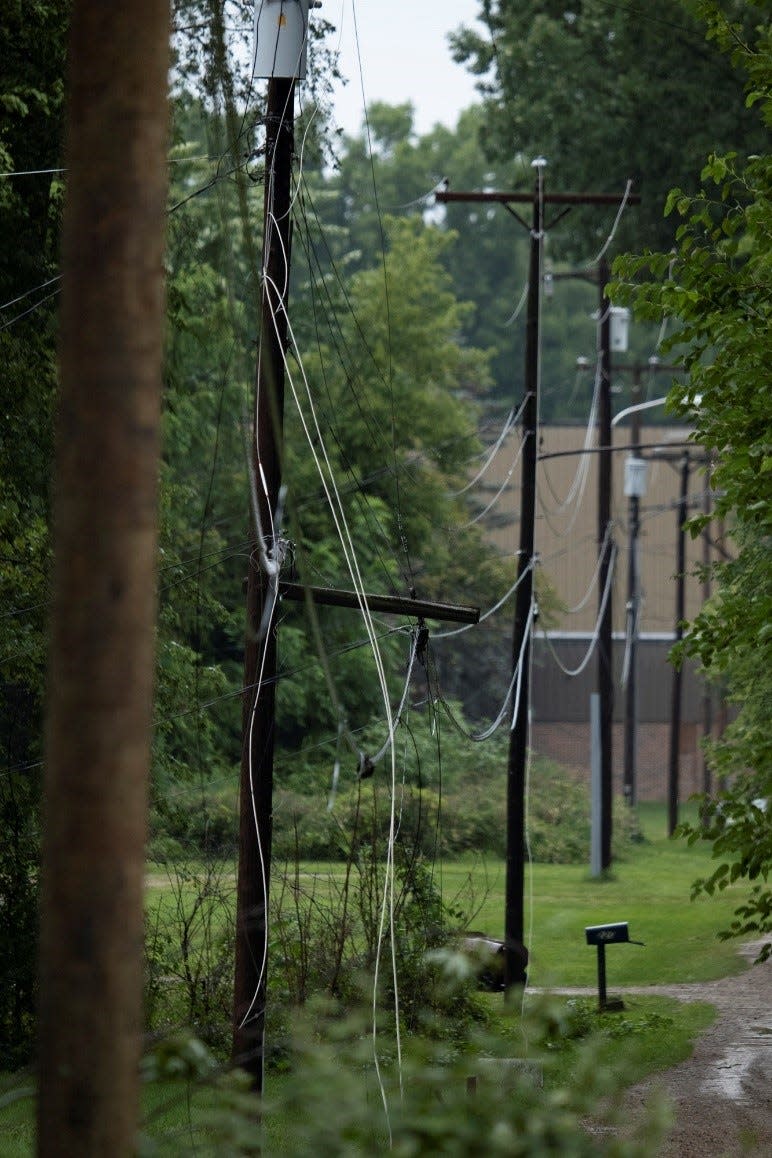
column 567, row 533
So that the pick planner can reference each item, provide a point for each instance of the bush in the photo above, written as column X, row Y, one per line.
column 193, row 820
column 189, row 952
column 19, row 899
column 469, row 818
column 331, row 935
column 346, row 1093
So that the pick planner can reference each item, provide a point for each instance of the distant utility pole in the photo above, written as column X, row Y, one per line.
column 605, row 643
column 516, row 953
column 635, row 490
column 677, row 674
column 707, row 691
column 605, row 679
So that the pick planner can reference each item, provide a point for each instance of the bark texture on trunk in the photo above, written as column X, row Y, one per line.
column 105, row 540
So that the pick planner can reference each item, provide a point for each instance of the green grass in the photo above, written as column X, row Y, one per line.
column 172, row 1114
column 652, row 1034
column 650, row 890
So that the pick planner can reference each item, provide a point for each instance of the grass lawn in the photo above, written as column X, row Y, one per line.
column 180, row 1118
column 172, row 1116
column 649, row 1035
column 650, row 890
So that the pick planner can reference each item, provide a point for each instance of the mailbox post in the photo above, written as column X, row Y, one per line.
column 600, row 936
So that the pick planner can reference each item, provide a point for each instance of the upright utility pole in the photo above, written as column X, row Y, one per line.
column 635, row 489
column 707, row 691
column 633, row 601
column 516, row 954
column 256, row 794
column 677, row 676
column 605, row 550
column 101, row 660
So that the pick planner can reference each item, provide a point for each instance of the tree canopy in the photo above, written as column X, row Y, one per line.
column 31, row 96
column 715, row 287
column 608, row 92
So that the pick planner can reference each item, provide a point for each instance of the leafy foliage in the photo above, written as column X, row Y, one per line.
column 438, row 1101
column 189, row 939
column 611, row 90
column 487, row 258
column 716, row 285
column 432, row 1107
column 450, row 800
column 30, row 130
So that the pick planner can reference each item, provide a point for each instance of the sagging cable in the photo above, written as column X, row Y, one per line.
column 510, row 421
column 596, row 630
column 491, row 610
column 489, row 506
column 367, row 764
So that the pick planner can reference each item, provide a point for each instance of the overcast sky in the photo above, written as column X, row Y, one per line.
column 405, row 56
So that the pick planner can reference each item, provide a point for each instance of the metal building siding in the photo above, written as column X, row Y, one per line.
column 566, row 542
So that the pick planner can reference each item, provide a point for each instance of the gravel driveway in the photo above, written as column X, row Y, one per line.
column 722, row 1094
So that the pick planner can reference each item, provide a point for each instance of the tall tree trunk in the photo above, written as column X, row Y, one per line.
column 105, row 535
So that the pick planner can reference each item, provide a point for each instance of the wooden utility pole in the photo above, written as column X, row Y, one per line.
column 677, row 675
column 629, row 777
column 516, row 953
column 605, row 664
column 256, row 794
column 101, row 664
column 707, row 690
column 605, row 678
column 259, row 707
column 634, row 488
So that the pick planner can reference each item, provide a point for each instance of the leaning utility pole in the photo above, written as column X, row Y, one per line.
column 256, row 792
column 516, row 953
column 280, row 49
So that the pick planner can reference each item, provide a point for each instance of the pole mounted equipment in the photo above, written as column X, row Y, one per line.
column 280, row 38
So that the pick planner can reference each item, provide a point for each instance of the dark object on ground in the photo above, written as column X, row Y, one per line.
column 489, row 953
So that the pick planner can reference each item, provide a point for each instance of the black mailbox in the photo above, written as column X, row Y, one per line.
column 600, row 936
column 607, row 934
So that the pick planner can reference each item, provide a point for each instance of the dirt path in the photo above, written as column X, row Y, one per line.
column 722, row 1094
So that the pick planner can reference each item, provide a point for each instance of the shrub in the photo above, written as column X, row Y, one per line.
column 468, row 818
column 189, row 952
